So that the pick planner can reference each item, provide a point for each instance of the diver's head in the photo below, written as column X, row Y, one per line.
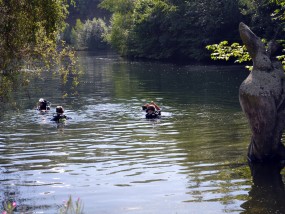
column 43, row 104
column 150, row 109
column 59, row 110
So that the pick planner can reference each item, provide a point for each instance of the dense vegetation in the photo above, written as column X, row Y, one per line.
column 29, row 41
column 86, row 25
column 175, row 29
column 172, row 29
column 155, row 29
column 31, row 31
column 267, row 20
column 88, row 35
column 27, row 28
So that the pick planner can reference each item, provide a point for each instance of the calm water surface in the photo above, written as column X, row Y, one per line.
column 192, row 160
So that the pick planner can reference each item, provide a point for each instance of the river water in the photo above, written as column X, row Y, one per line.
column 192, row 160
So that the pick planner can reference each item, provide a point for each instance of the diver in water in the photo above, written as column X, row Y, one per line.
column 152, row 110
column 60, row 117
column 43, row 105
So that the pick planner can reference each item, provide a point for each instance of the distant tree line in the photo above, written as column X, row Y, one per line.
column 86, row 25
column 89, row 35
column 175, row 29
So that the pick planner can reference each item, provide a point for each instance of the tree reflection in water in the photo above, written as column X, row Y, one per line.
column 267, row 194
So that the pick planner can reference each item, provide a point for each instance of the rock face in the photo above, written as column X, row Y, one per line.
column 262, row 98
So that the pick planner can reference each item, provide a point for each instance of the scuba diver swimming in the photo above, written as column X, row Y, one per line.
column 43, row 105
column 152, row 110
column 60, row 117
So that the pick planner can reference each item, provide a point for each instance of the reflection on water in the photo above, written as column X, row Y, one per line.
column 267, row 194
column 115, row 160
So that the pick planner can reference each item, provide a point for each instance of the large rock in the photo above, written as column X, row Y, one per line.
column 262, row 96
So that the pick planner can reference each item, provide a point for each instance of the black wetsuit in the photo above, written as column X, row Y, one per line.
column 154, row 115
column 59, row 118
column 44, row 106
column 43, row 109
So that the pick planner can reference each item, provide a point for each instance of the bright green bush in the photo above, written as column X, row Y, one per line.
column 89, row 35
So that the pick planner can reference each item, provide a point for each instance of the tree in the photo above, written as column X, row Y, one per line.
column 29, row 32
column 88, row 35
column 94, row 32
column 75, row 35
column 267, row 18
column 261, row 13
column 29, row 38
column 170, row 29
column 261, row 97
column 201, row 22
column 121, row 23
column 84, row 10
column 151, row 35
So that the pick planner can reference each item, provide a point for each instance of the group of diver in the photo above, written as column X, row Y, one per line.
column 152, row 110
column 59, row 116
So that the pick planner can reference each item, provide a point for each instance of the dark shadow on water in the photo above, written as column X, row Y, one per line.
column 267, row 194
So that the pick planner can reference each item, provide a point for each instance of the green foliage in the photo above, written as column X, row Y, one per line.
column 281, row 58
column 21, row 21
column 279, row 14
column 263, row 17
column 198, row 23
column 118, row 6
column 224, row 51
column 29, row 40
column 121, row 23
column 267, row 18
column 9, row 207
column 167, row 29
column 151, row 34
column 175, row 29
column 84, row 10
column 26, row 27
column 75, row 37
column 89, row 35
column 71, row 207
column 93, row 34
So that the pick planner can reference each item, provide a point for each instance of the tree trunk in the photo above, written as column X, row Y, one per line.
column 262, row 99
